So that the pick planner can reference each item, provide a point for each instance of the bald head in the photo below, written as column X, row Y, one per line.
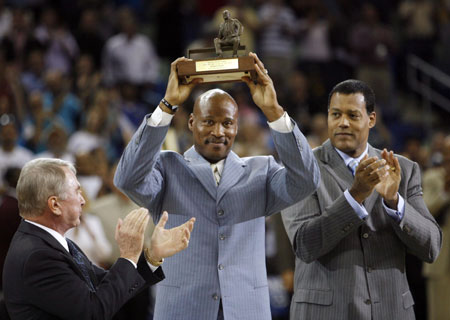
column 213, row 96
column 214, row 124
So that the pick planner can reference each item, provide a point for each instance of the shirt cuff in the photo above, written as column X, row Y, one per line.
column 159, row 118
column 398, row 214
column 283, row 124
column 132, row 262
column 152, row 267
column 359, row 209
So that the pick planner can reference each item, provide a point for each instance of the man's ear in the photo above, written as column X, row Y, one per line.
column 191, row 121
column 54, row 206
column 372, row 119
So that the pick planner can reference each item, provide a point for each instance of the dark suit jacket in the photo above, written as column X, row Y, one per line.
column 349, row 268
column 42, row 281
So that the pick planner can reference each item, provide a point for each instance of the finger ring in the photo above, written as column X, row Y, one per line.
column 266, row 72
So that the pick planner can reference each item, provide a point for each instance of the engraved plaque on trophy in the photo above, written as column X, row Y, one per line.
column 222, row 67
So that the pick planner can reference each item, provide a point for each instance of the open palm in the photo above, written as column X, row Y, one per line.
column 167, row 242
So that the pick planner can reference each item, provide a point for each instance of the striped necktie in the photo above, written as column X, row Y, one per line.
column 352, row 166
column 216, row 174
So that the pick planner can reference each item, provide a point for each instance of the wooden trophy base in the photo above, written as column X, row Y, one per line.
column 216, row 70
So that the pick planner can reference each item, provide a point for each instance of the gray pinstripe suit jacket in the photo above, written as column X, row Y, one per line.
column 348, row 268
column 226, row 255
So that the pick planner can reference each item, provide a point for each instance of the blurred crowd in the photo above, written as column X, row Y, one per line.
column 77, row 78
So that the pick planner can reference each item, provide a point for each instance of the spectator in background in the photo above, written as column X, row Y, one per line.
column 278, row 27
column 56, row 146
column 108, row 102
column 414, row 150
column 419, row 19
column 11, row 96
column 296, row 97
column 86, row 80
column 36, row 122
column 319, row 130
column 20, row 39
column 372, row 42
column 129, row 56
column 314, row 41
column 11, row 154
column 131, row 109
column 92, row 172
column 88, row 36
column 60, row 102
column 61, row 48
column 92, row 135
column 32, row 76
column 109, row 207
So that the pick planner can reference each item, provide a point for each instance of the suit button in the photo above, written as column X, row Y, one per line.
column 365, row 235
column 220, row 213
column 221, row 267
column 369, row 269
column 215, row 297
column 222, row 237
column 367, row 301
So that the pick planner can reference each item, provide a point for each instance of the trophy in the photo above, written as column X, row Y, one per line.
column 220, row 68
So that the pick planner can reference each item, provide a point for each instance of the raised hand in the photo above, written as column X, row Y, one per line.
column 167, row 242
column 263, row 92
column 368, row 174
column 388, row 187
column 130, row 234
column 177, row 93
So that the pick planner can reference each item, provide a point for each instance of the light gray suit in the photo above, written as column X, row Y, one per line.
column 226, row 254
column 348, row 268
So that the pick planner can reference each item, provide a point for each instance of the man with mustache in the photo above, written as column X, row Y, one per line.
column 350, row 237
column 223, row 273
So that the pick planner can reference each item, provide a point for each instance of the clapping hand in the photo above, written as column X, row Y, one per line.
column 388, row 187
column 368, row 174
column 167, row 242
column 130, row 234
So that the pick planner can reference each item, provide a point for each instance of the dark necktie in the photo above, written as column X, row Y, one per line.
column 82, row 262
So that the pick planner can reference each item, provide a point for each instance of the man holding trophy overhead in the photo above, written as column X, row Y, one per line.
column 223, row 273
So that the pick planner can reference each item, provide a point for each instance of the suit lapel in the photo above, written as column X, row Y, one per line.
column 335, row 166
column 233, row 170
column 202, row 170
column 29, row 228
